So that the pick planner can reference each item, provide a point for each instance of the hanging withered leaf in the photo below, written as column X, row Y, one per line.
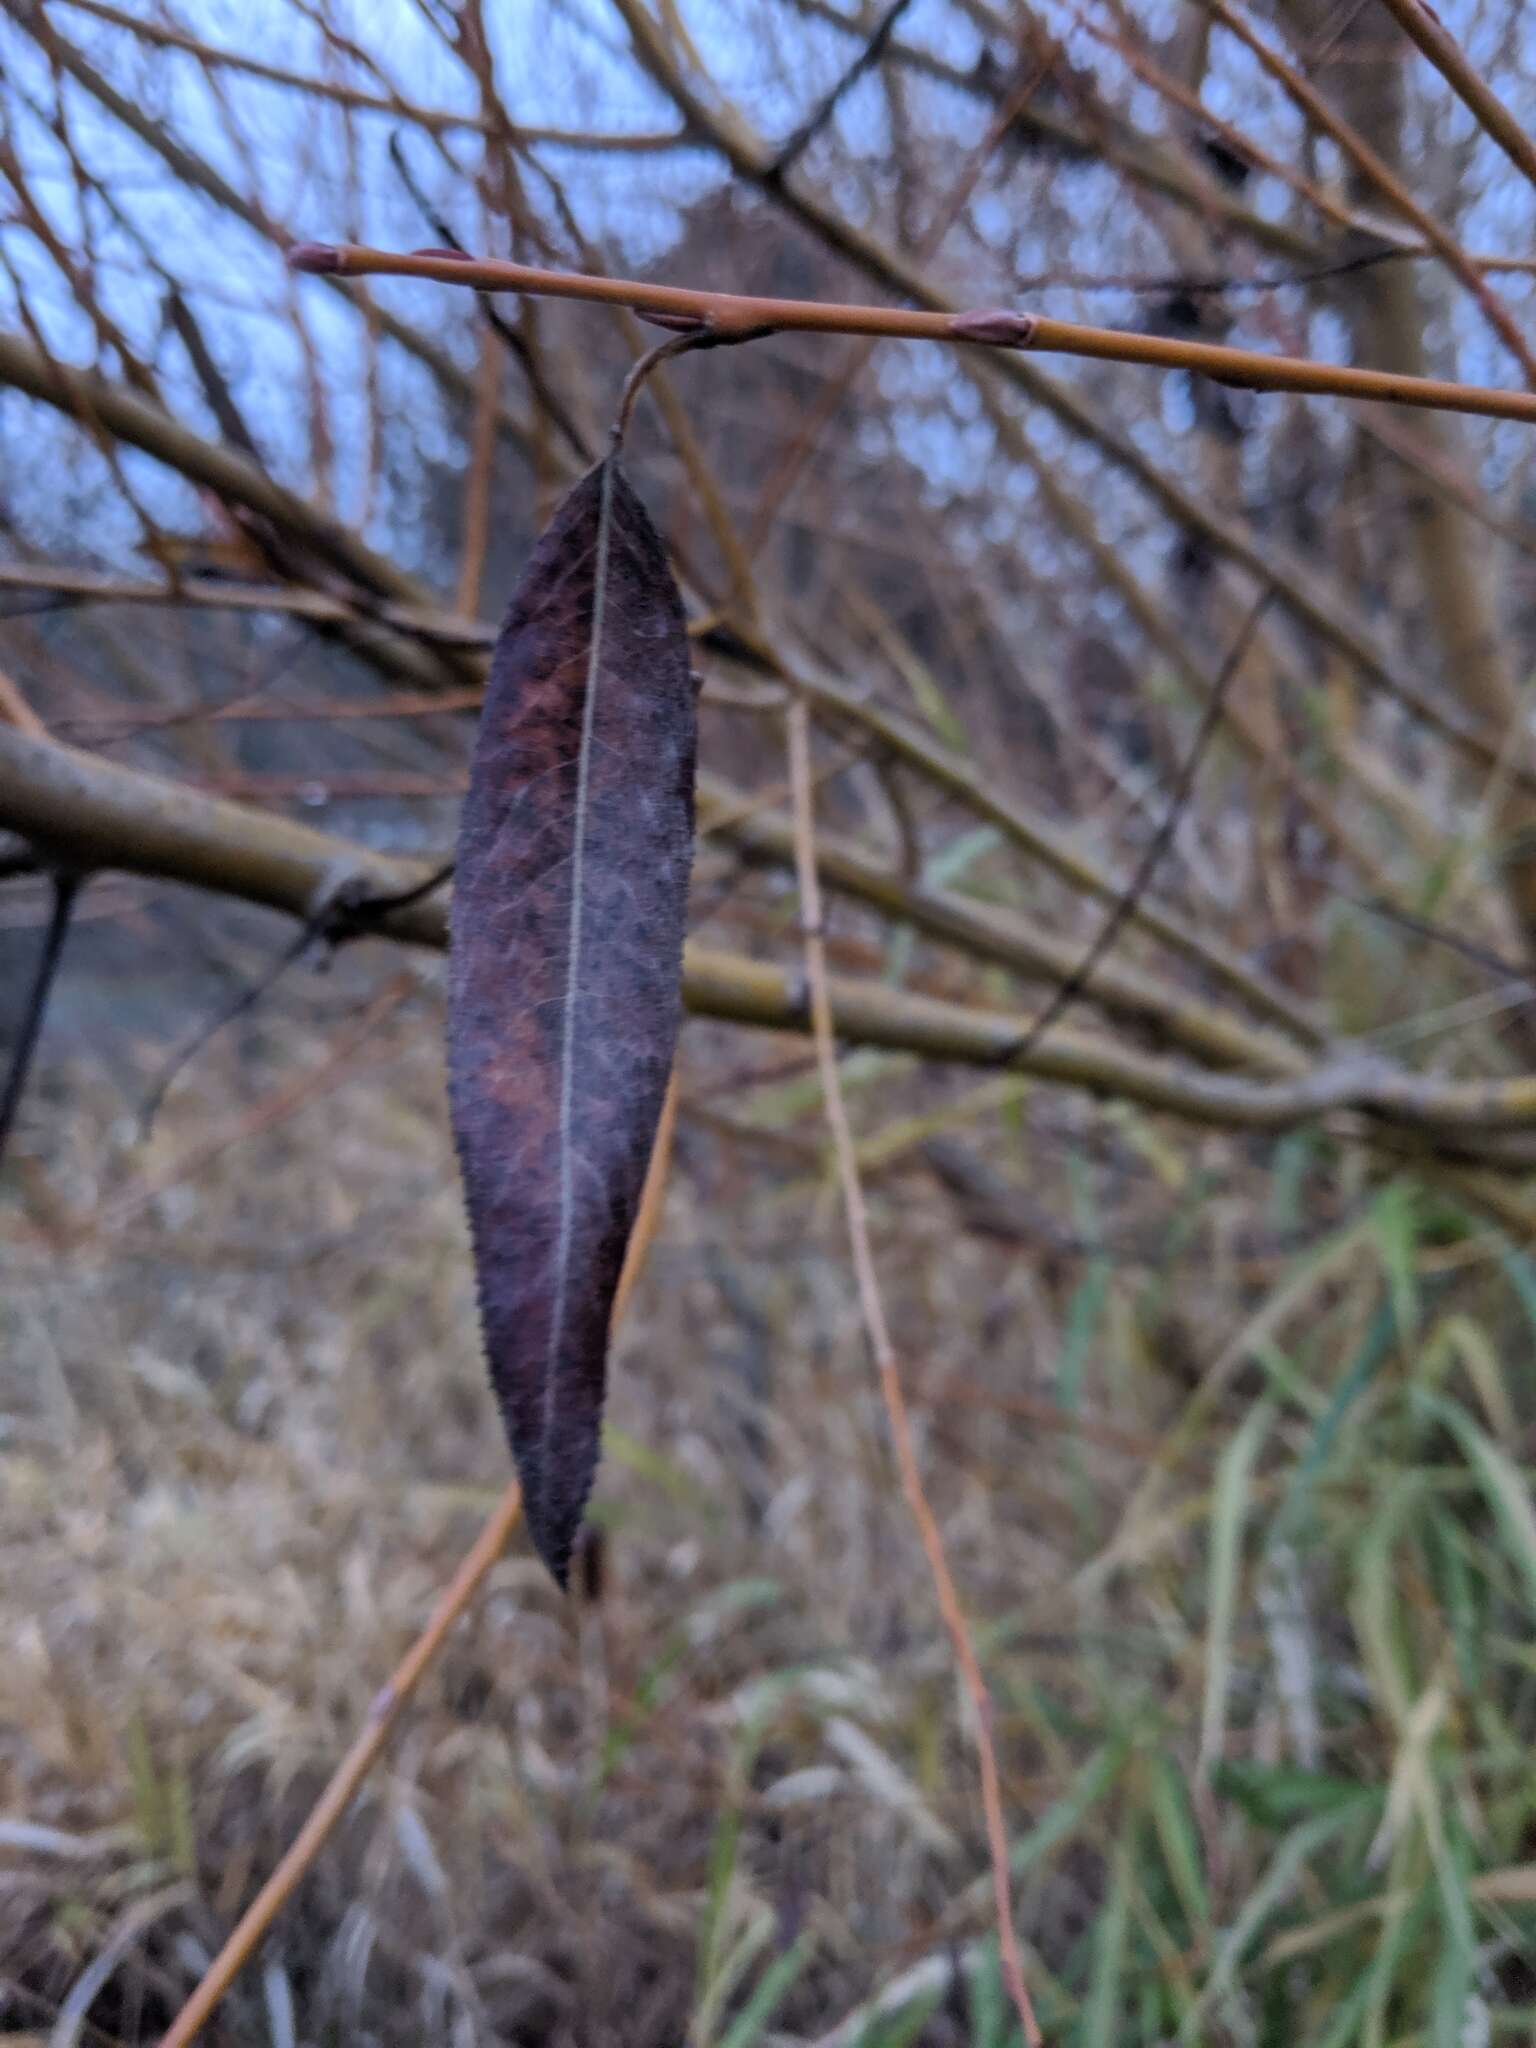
column 569, row 899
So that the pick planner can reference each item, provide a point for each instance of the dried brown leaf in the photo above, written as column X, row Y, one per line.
column 569, row 903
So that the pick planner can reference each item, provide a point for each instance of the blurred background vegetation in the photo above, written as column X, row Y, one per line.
column 1215, row 1308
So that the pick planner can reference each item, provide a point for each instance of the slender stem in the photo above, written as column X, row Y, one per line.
column 391, row 1702
column 811, row 127
column 1069, row 990
column 693, row 337
column 878, row 1332
column 228, row 1013
column 730, row 316
column 65, row 888
column 1445, row 53
column 435, row 120
column 383, row 1716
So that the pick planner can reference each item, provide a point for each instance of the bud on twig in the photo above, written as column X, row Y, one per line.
column 995, row 326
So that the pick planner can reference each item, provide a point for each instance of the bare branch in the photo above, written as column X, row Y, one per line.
column 435, row 120
column 98, row 814
column 730, row 316
column 1115, row 923
column 1445, row 53
column 873, row 50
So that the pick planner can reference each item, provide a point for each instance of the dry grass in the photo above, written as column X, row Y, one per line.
column 1262, row 1670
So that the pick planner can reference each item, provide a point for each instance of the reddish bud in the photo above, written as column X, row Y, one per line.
column 997, row 327
column 678, row 323
column 321, row 258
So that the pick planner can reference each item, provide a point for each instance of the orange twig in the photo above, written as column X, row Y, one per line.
column 873, row 1310
column 652, row 1197
column 729, row 316
column 354, row 1767
column 390, row 1704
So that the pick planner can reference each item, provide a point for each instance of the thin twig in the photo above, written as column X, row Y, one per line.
column 679, row 344
column 1150, row 285
column 516, row 344
column 65, row 889
column 1374, row 167
column 221, row 400
column 478, row 479
column 345, row 912
column 351, row 916
column 433, row 120
column 693, row 334
column 272, row 1109
column 897, row 1415
column 835, row 392
column 817, row 119
column 652, row 1203
column 390, row 1704
column 1441, row 935
column 1147, row 867
column 383, row 1716
column 230, row 1013
column 15, row 710
column 730, row 316
column 1441, row 48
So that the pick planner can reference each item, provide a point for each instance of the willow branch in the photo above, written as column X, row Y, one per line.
column 289, row 519
column 1037, row 836
column 1409, row 449
column 874, row 49
column 1044, row 841
column 66, row 584
column 725, row 132
column 193, row 171
column 99, row 814
column 728, row 315
column 1394, row 247
column 1075, row 515
column 1445, row 53
column 1138, row 157
column 124, row 414
column 91, row 813
column 1205, row 1031
column 1082, row 974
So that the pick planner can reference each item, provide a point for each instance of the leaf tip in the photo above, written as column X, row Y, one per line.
column 554, row 1539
